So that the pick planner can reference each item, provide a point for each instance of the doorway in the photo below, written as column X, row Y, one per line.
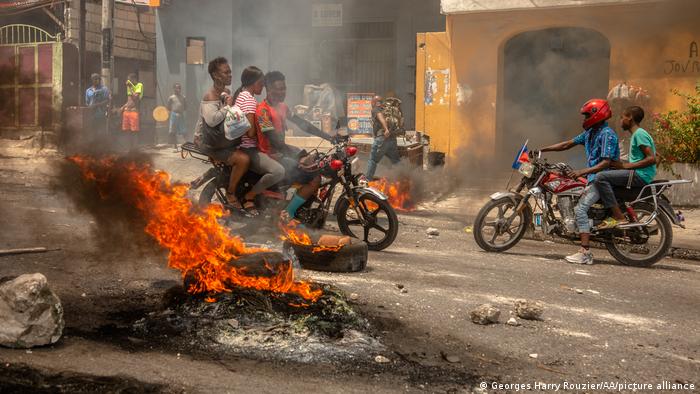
column 548, row 74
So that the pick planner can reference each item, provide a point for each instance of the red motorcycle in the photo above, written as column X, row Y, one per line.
column 545, row 199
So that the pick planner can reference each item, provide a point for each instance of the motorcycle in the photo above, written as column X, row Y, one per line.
column 642, row 242
column 361, row 211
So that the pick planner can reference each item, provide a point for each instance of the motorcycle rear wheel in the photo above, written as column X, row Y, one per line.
column 626, row 252
column 505, row 207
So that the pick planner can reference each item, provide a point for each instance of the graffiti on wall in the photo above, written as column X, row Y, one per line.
column 437, row 87
column 691, row 65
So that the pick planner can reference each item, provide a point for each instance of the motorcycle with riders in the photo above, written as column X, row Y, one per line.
column 546, row 195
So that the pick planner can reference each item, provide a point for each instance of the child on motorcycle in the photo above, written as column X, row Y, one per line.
column 639, row 172
column 601, row 145
column 272, row 114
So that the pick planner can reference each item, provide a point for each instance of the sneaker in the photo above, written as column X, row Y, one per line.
column 583, row 256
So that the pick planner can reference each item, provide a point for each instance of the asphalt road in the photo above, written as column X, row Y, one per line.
column 602, row 323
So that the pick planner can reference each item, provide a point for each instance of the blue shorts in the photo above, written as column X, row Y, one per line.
column 177, row 123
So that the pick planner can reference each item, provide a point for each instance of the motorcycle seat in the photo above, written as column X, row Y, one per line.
column 627, row 195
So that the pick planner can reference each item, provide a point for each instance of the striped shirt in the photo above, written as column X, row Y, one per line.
column 247, row 103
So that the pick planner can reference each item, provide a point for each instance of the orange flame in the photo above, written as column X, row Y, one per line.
column 398, row 193
column 197, row 243
column 297, row 236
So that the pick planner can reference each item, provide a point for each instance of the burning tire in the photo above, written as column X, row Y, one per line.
column 350, row 258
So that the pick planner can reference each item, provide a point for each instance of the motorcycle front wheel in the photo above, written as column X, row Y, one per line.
column 642, row 246
column 378, row 229
column 492, row 230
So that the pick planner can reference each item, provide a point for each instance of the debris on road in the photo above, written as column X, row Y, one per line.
column 381, row 359
column 450, row 358
column 30, row 313
column 404, row 291
column 578, row 291
column 485, row 314
column 399, row 286
column 513, row 322
column 534, row 355
column 593, row 291
column 9, row 252
column 354, row 296
column 432, row 231
column 529, row 310
column 468, row 230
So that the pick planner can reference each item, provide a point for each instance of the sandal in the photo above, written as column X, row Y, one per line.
column 233, row 201
column 610, row 223
column 249, row 208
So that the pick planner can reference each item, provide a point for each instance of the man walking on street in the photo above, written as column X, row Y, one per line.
column 600, row 142
column 177, row 106
column 130, row 110
column 97, row 100
column 384, row 141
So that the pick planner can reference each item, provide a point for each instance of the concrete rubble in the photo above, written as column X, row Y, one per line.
column 529, row 310
column 485, row 314
column 30, row 313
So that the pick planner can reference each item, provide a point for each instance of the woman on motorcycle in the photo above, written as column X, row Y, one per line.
column 252, row 82
column 209, row 134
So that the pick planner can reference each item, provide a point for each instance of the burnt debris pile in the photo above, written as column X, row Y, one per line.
column 262, row 325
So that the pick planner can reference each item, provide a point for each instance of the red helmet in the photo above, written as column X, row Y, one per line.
column 595, row 111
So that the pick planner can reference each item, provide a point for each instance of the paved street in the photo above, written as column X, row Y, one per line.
column 604, row 322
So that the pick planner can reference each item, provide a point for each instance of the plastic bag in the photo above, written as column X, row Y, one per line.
column 235, row 124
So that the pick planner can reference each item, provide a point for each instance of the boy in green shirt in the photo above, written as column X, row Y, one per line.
column 640, row 170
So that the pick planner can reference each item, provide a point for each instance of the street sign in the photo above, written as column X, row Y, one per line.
column 360, row 113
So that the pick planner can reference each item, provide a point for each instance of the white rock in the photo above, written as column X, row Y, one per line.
column 533, row 355
column 381, row 359
column 354, row 296
column 512, row 322
column 30, row 313
column 432, row 231
column 485, row 314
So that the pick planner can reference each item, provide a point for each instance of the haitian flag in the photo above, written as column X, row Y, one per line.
column 521, row 157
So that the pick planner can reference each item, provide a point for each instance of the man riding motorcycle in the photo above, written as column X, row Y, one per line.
column 272, row 115
column 601, row 145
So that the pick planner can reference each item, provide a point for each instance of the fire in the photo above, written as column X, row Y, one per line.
column 197, row 243
column 297, row 236
column 397, row 192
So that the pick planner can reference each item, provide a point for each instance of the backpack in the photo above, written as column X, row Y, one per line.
column 393, row 115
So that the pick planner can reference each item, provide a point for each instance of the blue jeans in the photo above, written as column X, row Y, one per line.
column 590, row 196
column 606, row 180
column 381, row 147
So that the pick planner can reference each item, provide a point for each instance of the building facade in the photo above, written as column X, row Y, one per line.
column 507, row 71
column 356, row 46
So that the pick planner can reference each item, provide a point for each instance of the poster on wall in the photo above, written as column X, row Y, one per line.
column 360, row 113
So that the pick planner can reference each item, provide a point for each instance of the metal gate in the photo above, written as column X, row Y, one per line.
column 30, row 78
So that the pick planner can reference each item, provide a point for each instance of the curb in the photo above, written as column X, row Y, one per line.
column 678, row 253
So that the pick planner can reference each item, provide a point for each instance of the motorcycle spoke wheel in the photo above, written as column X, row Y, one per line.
column 642, row 246
column 496, row 229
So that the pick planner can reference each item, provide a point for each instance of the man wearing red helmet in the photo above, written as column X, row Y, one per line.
column 600, row 142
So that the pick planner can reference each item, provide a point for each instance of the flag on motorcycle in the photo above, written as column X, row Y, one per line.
column 521, row 157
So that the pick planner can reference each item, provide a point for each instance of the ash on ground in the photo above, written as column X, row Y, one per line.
column 264, row 325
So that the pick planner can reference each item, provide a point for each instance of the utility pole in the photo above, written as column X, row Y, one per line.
column 82, row 14
column 107, row 35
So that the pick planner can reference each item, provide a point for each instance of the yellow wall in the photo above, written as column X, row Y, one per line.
column 644, row 40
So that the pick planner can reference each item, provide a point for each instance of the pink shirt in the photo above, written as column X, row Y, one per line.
column 247, row 103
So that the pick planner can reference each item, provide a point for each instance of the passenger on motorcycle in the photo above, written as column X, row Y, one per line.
column 272, row 114
column 601, row 145
column 209, row 132
column 639, row 172
column 252, row 81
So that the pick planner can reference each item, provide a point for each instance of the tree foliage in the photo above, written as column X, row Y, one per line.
column 677, row 133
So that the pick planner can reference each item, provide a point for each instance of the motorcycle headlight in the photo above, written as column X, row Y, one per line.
column 526, row 169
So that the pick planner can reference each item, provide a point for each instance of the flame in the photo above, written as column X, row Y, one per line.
column 198, row 244
column 397, row 192
column 297, row 236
